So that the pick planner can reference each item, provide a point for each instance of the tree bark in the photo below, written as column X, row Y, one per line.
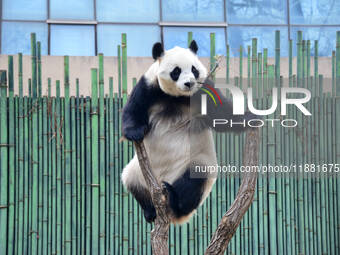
column 160, row 233
column 231, row 219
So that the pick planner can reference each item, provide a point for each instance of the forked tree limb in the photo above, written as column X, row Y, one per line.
column 160, row 233
column 230, row 221
column 232, row 218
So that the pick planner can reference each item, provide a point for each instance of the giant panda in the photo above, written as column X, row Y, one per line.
column 162, row 112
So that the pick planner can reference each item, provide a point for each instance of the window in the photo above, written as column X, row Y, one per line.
column 109, row 36
column 257, row 12
column 24, row 10
column 314, row 12
column 193, row 10
column 16, row 37
column 242, row 35
column 62, row 25
column 175, row 36
column 69, row 40
column 128, row 11
column 71, row 9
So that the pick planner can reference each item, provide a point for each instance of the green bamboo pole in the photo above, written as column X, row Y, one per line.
column 95, row 171
column 102, row 166
column 212, row 53
column 119, row 235
column 337, row 110
column 30, row 87
column 125, row 201
column 254, row 208
column 35, row 160
column 189, row 38
column 34, row 65
column 82, row 172
column 40, row 154
column 3, row 163
column 299, row 57
column 272, row 192
column 11, row 153
column 68, row 214
column 53, row 198
column 20, row 171
column 39, row 79
column 111, row 165
column 20, row 81
column 290, row 62
column 254, row 67
column 59, row 206
column 88, row 176
column 259, row 74
column 76, row 142
column 265, row 153
column 45, row 177
column 249, row 65
column 75, row 235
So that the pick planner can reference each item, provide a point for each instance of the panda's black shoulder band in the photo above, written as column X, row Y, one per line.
column 157, row 50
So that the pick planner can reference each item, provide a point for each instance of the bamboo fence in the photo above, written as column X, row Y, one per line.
column 61, row 161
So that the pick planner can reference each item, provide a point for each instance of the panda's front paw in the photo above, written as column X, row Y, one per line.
column 135, row 133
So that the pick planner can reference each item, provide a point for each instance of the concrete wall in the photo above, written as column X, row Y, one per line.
column 80, row 67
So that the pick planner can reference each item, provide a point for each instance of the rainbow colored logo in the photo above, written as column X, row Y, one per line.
column 211, row 94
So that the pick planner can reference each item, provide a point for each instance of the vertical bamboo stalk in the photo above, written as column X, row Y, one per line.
column 254, row 67
column 88, row 176
column 45, row 177
column 20, row 81
column 39, row 79
column 290, row 62
column 102, row 184
column 272, row 192
column 67, row 163
column 35, row 159
column 59, row 205
column 212, row 53
column 95, row 169
column 49, row 87
column 34, row 65
column 11, row 152
column 189, row 38
column 75, row 235
column 21, row 169
column 111, row 167
column 3, row 163
column 249, row 65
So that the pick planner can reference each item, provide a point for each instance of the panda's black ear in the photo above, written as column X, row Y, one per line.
column 157, row 50
column 193, row 46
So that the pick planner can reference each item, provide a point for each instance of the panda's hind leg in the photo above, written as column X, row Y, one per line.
column 185, row 194
column 134, row 182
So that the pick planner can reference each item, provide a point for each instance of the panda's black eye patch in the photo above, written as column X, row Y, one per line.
column 175, row 73
column 195, row 72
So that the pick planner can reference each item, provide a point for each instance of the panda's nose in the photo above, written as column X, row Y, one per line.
column 189, row 84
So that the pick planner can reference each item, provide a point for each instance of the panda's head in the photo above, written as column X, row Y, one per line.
column 179, row 69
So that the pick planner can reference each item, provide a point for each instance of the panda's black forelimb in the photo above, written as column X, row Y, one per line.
column 135, row 116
